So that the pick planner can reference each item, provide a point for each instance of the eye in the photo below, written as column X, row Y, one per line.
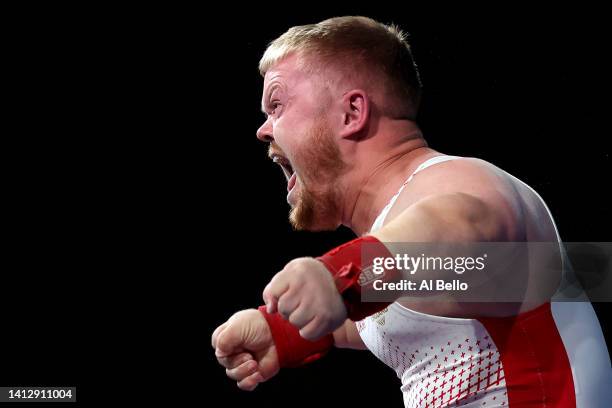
column 274, row 105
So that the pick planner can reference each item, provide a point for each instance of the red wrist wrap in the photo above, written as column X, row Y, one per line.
column 346, row 265
column 292, row 349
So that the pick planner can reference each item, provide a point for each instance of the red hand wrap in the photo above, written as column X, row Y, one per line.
column 292, row 349
column 345, row 263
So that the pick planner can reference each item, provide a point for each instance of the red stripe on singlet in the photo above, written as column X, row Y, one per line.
column 536, row 367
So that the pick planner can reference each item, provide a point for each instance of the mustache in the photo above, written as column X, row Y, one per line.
column 274, row 150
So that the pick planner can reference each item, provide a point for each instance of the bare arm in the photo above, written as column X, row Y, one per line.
column 347, row 336
column 452, row 217
column 458, row 201
column 457, row 218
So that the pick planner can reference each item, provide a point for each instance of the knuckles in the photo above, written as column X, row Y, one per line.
column 312, row 287
column 298, row 268
column 306, row 271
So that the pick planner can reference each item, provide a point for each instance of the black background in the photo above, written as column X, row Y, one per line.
column 142, row 211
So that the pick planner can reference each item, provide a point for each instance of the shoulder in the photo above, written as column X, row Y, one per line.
column 459, row 172
column 470, row 177
column 466, row 175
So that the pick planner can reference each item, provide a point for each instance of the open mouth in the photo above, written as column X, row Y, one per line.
column 285, row 165
column 288, row 171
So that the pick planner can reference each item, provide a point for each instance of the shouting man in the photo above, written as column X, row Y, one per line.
column 340, row 99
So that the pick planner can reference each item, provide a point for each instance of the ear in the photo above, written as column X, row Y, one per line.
column 355, row 112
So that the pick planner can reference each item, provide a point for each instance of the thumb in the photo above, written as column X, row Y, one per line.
column 229, row 341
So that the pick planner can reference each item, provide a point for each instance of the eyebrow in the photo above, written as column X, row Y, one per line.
column 266, row 98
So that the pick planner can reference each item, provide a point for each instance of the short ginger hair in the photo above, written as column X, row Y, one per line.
column 360, row 48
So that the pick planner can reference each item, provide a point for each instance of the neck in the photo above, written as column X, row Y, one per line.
column 379, row 176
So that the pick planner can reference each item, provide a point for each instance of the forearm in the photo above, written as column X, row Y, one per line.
column 347, row 336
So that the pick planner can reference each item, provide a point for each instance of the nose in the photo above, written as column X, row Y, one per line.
column 264, row 133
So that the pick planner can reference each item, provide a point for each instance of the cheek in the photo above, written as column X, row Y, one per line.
column 290, row 134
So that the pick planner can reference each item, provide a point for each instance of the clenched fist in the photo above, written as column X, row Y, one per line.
column 244, row 346
column 304, row 293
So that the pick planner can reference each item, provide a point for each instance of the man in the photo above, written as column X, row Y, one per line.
column 340, row 99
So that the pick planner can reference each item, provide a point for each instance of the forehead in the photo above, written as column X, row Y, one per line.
column 286, row 72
